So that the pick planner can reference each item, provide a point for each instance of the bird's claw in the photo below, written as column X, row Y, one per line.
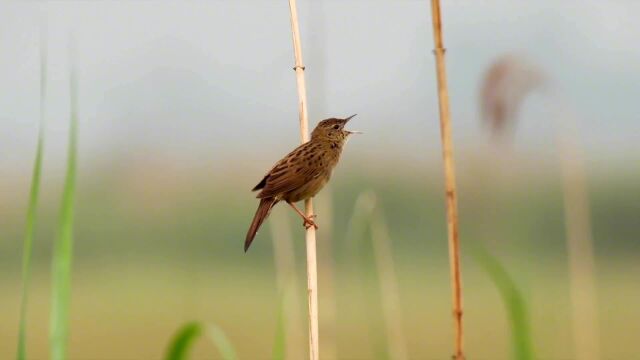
column 308, row 222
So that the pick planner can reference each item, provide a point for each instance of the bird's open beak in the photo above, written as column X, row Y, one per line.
column 347, row 120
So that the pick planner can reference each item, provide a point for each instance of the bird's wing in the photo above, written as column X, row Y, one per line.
column 290, row 173
column 279, row 166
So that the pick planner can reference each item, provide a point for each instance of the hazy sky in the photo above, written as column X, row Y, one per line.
column 213, row 79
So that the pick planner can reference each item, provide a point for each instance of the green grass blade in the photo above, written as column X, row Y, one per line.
column 182, row 341
column 220, row 340
column 27, row 251
column 185, row 337
column 514, row 303
column 280, row 342
column 63, row 250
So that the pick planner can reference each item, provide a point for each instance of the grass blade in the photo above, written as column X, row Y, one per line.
column 220, row 340
column 33, row 204
column 63, row 250
column 286, row 275
column 280, row 342
column 182, row 341
column 514, row 303
column 186, row 336
column 357, row 250
column 388, row 284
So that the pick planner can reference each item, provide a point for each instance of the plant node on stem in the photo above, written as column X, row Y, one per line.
column 450, row 182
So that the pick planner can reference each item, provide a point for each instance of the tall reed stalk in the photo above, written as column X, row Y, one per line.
column 286, row 278
column 389, row 292
column 310, row 234
column 577, row 215
column 449, row 177
column 30, row 227
column 357, row 229
column 368, row 215
column 508, row 81
column 63, row 249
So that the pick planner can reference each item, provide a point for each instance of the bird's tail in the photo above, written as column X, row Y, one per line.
column 263, row 211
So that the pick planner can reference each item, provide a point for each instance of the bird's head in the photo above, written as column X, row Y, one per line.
column 333, row 129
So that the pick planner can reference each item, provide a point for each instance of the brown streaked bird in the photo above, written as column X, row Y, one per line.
column 302, row 173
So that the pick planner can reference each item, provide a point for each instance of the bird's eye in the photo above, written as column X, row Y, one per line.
column 336, row 127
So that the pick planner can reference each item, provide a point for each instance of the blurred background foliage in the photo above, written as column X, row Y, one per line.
column 182, row 107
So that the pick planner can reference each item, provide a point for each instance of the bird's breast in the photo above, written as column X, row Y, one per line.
column 310, row 188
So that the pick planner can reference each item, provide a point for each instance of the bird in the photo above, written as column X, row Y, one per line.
column 302, row 173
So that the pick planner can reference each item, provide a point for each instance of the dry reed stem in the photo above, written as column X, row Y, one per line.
column 310, row 234
column 449, row 175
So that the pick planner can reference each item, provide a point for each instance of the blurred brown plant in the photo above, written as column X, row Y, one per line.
column 507, row 82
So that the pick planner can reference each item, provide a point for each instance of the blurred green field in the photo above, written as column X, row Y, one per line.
column 152, row 255
column 181, row 108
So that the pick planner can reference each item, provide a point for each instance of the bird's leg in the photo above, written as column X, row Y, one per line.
column 308, row 221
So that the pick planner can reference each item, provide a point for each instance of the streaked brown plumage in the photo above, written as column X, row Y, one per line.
column 302, row 173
